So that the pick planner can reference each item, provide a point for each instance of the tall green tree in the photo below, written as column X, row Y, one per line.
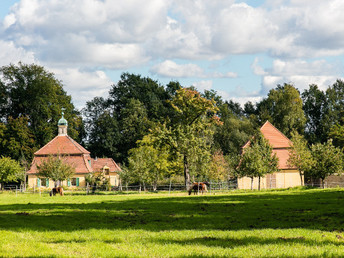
column 191, row 130
column 314, row 101
column 283, row 108
column 258, row 160
column 10, row 171
column 16, row 139
column 328, row 160
column 31, row 91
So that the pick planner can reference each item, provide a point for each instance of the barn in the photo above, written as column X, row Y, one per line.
column 287, row 176
column 64, row 147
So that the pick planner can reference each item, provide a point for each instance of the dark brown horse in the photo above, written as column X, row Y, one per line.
column 56, row 190
column 199, row 187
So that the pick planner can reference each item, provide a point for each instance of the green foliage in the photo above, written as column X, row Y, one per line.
column 56, row 169
column 314, row 101
column 235, row 131
column 337, row 134
column 10, row 171
column 300, row 156
column 283, row 108
column 328, row 160
column 32, row 92
column 147, row 164
column 189, row 134
column 258, row 159
column 17, row 140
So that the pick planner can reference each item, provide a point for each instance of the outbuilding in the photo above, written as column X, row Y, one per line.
column 287, row 176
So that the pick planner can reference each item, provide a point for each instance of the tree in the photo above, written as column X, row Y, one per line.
column 55, row 168
column 219, row 168
column 144, row 89
column 31, row 91
column 190, row 131
column 328, row 160
column 337, row 134
column 283, row 108
column 314, row 101
column 10, row 171
column 300, row 156
column 234, row 133
column 17, row 140
column 148, row 165
column 258, row 160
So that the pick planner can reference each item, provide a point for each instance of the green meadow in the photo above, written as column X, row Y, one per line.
column 285, row 223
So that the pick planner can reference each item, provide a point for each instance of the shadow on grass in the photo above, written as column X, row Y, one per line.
column 323, row 210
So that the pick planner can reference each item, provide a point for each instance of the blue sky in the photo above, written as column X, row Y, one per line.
column 241, row 49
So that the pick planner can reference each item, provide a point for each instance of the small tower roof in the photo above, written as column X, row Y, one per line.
column 62, row 121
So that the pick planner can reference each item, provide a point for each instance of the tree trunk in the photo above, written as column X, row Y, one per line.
column 259, row 183
column 251, row 183
column 323, row 182
column 301, row 179
column 186, row 172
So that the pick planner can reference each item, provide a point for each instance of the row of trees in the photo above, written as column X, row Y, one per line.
column 158, row 131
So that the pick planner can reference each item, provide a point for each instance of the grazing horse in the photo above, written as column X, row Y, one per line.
column 199, row 187
column 56, row 190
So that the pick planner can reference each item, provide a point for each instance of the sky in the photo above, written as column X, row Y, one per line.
column 240, row 49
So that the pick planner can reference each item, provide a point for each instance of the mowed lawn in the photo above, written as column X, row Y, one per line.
column 284, row 223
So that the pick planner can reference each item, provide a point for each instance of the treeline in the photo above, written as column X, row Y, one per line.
column 159, row 131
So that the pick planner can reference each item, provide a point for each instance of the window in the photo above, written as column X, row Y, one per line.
column 107, row 171
column 75, row 181
column 43, row 182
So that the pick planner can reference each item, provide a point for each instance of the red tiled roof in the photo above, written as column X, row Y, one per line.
column 62, row 145
column 274, row 136
column 279, row 142
column 98, row 164
column 80, row 162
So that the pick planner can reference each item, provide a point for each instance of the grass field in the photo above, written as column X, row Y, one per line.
column 301, row 223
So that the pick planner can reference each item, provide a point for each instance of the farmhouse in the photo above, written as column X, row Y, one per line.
column 287, row 176
column 71, row 152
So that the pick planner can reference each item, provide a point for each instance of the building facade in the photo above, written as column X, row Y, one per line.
column 287, row 176
column 65, row 148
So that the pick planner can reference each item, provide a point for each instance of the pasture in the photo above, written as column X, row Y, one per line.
column 283, row 223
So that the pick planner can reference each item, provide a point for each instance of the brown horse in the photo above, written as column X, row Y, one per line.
column 56, row 190
column 199, row 187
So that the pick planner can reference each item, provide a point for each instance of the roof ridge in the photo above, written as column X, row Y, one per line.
column 80, row 148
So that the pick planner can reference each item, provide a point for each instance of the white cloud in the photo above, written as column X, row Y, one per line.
column 83, row 85
column 171, row 69
column 9, row 53
column 203, row 85
column 298, row 72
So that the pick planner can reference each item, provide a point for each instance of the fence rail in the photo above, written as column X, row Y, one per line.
column 214, row 187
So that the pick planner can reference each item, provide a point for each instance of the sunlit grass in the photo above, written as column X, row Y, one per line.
column 240, row 224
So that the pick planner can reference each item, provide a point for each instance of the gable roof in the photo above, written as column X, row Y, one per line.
column 98, row 164
column 279, row 142
column 275, row 137
column 61, row 144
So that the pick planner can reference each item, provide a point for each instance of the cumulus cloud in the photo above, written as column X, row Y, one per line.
column 171, row 69
column 83, row 85
column 91, row 35
column 11, row 54
column 203, row 85
column 298, row 72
